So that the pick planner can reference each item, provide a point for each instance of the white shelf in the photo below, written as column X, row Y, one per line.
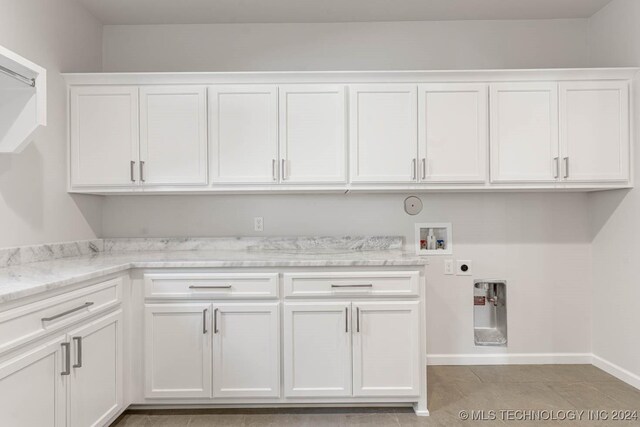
column 23, row 106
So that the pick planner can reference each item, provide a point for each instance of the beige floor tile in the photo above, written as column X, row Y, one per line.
column 217, row 420
column 584, row 396
column 449, row 374
column 627, row 396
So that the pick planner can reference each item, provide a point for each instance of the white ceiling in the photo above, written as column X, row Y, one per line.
column 280, row 11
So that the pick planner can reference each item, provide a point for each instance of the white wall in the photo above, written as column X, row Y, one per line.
column 34, row 206
column 614, row 35
column 342, row 46
column 538, row 242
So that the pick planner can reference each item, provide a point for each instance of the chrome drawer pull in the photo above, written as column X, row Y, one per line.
column 357, row 319
column 215, row 321
column 346, row 319
column 204, row 320
column 67, row 358
column 358, row 285
column 78, row 363
column 210, row 287
column 73, row 310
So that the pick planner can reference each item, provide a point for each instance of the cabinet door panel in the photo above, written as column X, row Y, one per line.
column 96, row 382
column 246, row 361
column 244, row 122
column 453, row 132
column 524, row 132
column 312, row 133
column 104, row 135
column 594, row 131
column 33, row 389
column 386, row 349
column 383, row 133
column 178, row 350
column 317, row 349
column 173, row 134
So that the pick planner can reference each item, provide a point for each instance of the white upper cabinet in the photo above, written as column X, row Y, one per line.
column 244, row 133
column 524, row 132
column 312, row 133
column 173, row 135
column 594, row 131
column 453, row 130
column 383, row 133
column 104, row 136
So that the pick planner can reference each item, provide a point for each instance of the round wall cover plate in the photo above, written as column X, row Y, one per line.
column 412, row 205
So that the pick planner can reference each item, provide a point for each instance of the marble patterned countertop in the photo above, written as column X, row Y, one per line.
column 118, row 255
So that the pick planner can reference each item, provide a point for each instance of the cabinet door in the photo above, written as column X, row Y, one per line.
column 173, row 135
column 104, row 136
column 177, row 350
column 96, row 381
column 453, row 130
column 524, row 132
column 246, row 350
column 312, row 133
column 383, row 133
column 317, row 349
column 33, row 389
column 386, row 349
column 594, row 131
column 244, row 122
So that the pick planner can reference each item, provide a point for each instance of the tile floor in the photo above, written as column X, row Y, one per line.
column 452, row 389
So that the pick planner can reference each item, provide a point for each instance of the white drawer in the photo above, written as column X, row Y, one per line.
column 377, row 283
column 210, row 286
column 29, row 322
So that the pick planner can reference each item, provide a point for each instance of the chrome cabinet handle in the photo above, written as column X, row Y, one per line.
column 274, row 167
column 414, row 169
column 355, row 285
column 215, row 321
column 64, row 313
column 142, row 171
column 556, row 167
column 210, row 287
column 346, row 319
column 566, row 167
column 78, row 341
column 424, row 168
column 357, row 319
column 67, row 358
column 283, row 167
column 204, row 320
column 132, row 166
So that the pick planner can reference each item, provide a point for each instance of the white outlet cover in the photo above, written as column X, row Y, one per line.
column 258, row 223
column 459, row 268
column 448, row 267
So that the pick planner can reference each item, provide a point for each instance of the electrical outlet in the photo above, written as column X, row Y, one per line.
column 258, row 223
column 448, row 266
column 464, row 268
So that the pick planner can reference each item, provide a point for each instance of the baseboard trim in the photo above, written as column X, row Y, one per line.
column 618, row 372
column 510, row 359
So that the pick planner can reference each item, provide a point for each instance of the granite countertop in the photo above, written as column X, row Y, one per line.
column 26, row 280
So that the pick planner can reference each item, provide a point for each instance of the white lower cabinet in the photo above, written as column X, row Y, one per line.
column 32, row 388
column 246, row 350
column 74, row 380
column 386, row 349
column 352, row 349
column 177, row 350
column 317, row 349
column 95, row 388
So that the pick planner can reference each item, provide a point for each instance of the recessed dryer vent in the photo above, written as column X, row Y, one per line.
column 490, row 312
